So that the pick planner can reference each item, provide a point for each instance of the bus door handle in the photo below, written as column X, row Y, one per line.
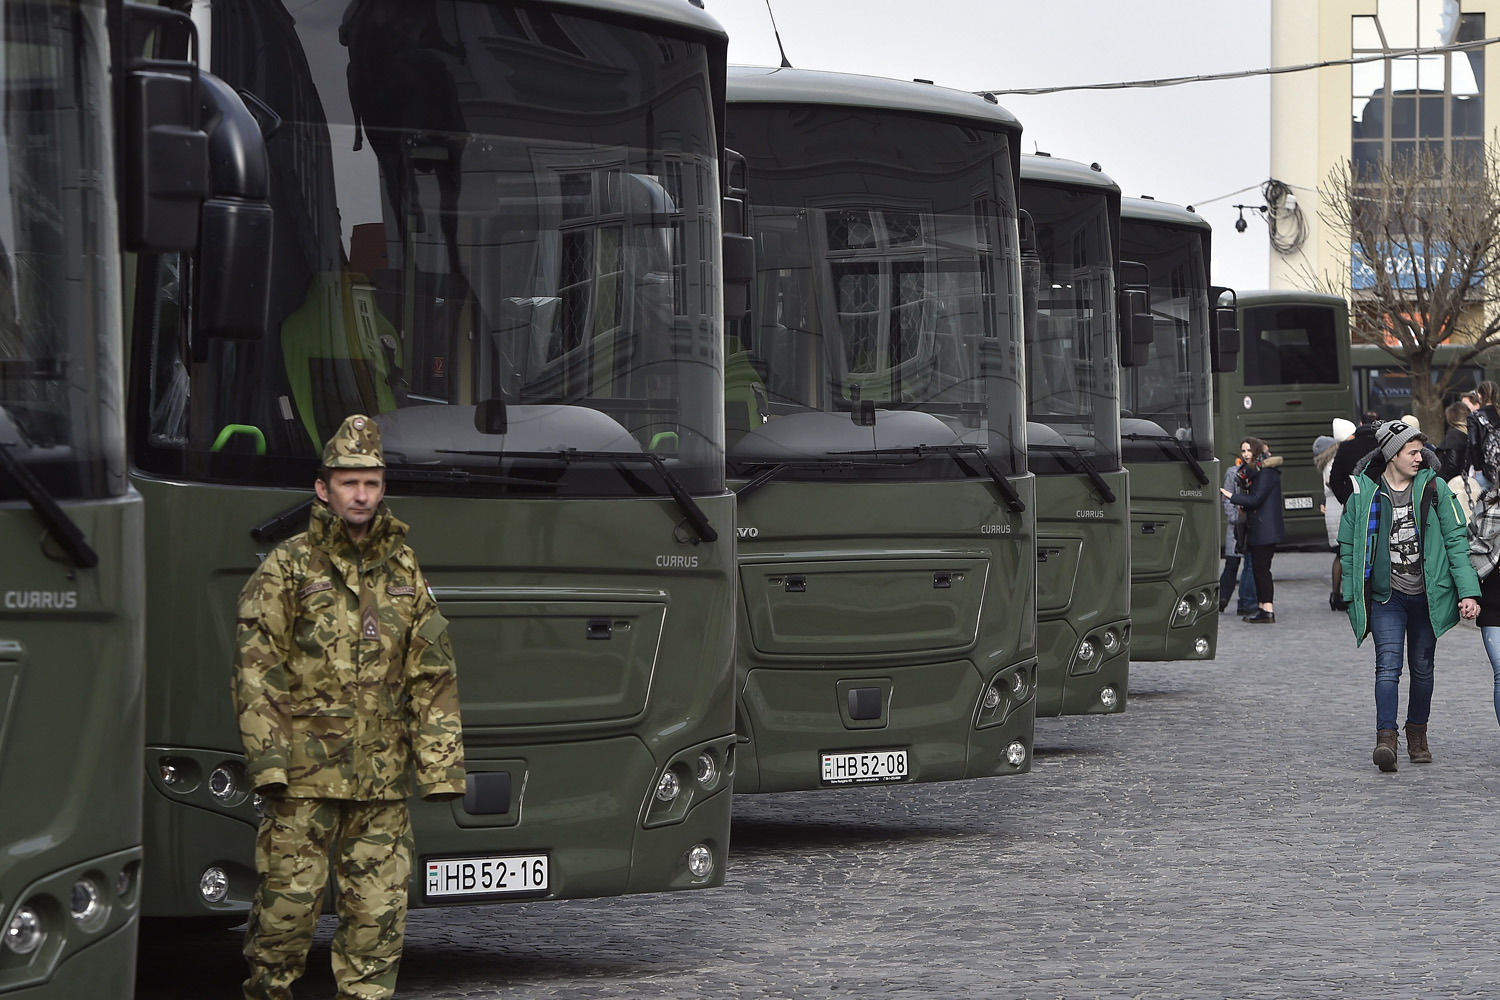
column 599, row 628
column 1149, row 527
column 942, row 580
column 796, row 584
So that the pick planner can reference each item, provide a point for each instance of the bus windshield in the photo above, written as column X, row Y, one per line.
column 59, row 326
column 497, row 230
column 1290, row 345
column 1170, row 397
column 1071, row 346
column 885, row 339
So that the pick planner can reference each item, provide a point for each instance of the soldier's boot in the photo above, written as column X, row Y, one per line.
column 1416, row 743
column 1385, row 749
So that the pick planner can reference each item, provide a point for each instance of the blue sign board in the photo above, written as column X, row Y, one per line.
column 1405, row 264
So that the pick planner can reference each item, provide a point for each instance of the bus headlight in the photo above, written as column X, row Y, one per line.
column 1109, row 697
column 1200, row 645
column 221, row 783
column 1110, row 640
column 991, row 698
column 25, row 933
column 707, row 770
column 700, row 861
column 86, row 902
column 1184, row 608
column 1018, row 683
column 1015, row 754
column 668, row 787
column 213, row 885
column 1085, row 651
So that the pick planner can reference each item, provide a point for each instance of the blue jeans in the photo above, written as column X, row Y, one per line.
column 1492, row 646
column 1402, row 619
column 1248, row 603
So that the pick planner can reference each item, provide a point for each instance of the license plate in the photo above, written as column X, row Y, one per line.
column 1297, row 503
column 456, row 878
column 865, row 767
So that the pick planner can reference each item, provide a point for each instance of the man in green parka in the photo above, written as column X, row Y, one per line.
column 347, row 694
column 1407, row 578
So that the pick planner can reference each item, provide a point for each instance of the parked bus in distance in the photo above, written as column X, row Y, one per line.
column 80, row 121
column 1382, row 383
column 875, row 422
column 1291, row 382
column 1073, row 437
column 1167, row 435
column 497, row 230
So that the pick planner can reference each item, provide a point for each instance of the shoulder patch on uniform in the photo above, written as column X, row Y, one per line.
column 395, row 591
column 315, row 588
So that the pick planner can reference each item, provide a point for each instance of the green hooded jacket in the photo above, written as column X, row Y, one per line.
column 1445, row 551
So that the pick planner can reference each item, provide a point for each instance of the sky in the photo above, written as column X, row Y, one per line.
column 1190, row 145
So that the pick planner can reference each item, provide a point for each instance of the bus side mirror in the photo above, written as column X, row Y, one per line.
column 490, row 416
column 739, row 249
column 1224, row 332
column 164, row 155
column 233, row 267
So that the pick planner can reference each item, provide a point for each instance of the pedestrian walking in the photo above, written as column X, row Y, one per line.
column 1258, row 493
column 1234, row 551
column 346, row 692
column 1325, row 449
column 1482, row 423
column 1453, row 450
column 1407, row 578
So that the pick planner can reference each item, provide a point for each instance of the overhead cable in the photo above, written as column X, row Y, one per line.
column 1244, row 74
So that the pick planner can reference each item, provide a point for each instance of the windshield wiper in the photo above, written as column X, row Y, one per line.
column 956, row 452
column 777, row 466
column 1182, row 449
column 1083, row 461
column 59, row 524
column 568, row 456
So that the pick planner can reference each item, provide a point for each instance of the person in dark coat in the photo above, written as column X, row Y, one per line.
column 1349, row 455
column 1453, row 450
column 1260, row 498
column 1482, row 423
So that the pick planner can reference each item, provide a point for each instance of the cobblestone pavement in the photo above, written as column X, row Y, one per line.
column 1225, row 837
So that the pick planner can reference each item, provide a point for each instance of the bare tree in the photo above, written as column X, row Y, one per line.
column 1424, row 239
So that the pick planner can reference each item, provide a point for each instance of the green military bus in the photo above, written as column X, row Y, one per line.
column 70, row 526
column 497, row 229
column 1382, row 384
column 87, row 119
column 875, row 424
column 1291, row 382
column 1073, row 438
column 1167, row 435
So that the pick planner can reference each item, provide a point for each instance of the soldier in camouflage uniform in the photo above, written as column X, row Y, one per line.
column 345, row 688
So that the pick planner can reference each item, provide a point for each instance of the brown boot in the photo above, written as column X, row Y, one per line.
column 1385, row 750
column 1416, row 743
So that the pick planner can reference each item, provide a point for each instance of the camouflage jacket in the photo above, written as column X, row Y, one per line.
column 344, row 680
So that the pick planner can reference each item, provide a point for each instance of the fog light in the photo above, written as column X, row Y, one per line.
column 25, row 931
column 1184, row 608
column 991, row 697
column 700, row 861
column 668, row 787
column 1200, row 645
column 708, row 771
column 221, row 783
column 213, row 885
column 1085, row 651
column 1109, row 697
column 1111, row 640
column 85, row 902
column 1015, row 754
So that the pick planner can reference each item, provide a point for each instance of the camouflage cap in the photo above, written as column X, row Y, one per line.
column 355, row 445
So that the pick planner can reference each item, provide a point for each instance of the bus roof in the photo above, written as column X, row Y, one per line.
column 1162, row 212
column 1043, row 169
column 678, row 13
column 1279, row 296
column 768, row 85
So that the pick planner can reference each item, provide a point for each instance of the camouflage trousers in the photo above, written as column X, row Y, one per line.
column 370, row 847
